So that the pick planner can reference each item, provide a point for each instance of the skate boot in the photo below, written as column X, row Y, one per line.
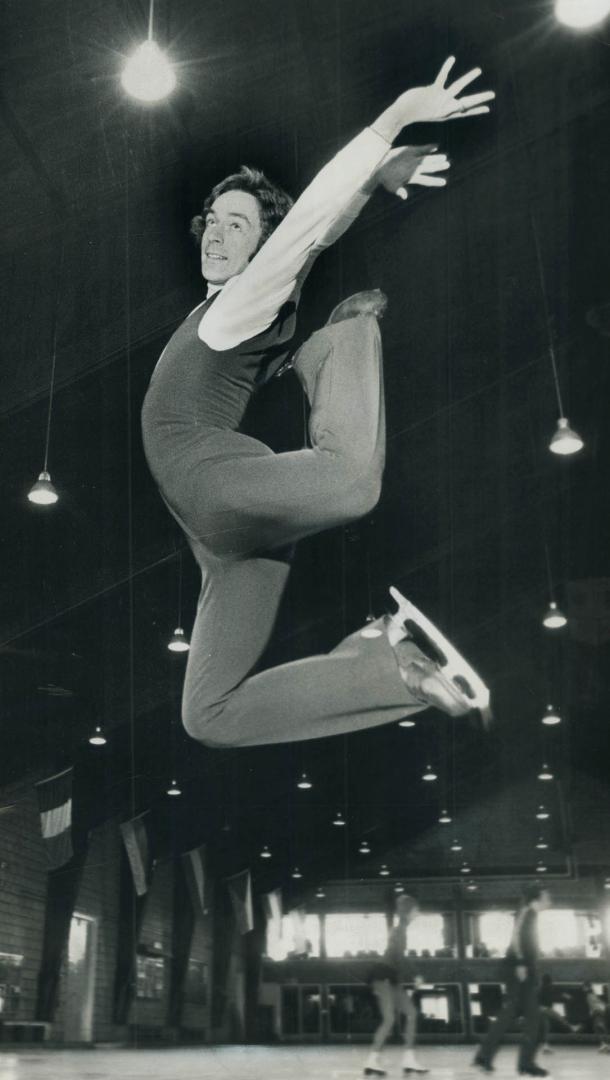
column 432, row 668
column 373, row 1066
column 410, row 1064
column 482, row 1063
column 370, row 302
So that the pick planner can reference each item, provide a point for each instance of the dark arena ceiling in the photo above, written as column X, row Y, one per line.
column 97, row 192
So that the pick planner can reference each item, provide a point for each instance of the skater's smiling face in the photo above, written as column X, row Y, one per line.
column 231, row 236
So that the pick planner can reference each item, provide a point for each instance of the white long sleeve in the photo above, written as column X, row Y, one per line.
column 249, row 302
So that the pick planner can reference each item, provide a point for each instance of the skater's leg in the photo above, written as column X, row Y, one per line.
column 491, row 1041
column 530, row 1010
column 384, row 994
column 410, row 1014
column 410, row 1064
column 236, row 497
column 236, row 612
column 356, row 686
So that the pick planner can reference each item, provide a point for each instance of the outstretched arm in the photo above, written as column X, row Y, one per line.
column 249, row 303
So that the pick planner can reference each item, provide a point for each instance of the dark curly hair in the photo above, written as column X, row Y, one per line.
column 274, row 203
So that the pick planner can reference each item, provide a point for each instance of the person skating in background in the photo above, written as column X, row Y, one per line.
column 549, row 1015
column 521, row 988
column 393, row 999
column 598, row 1011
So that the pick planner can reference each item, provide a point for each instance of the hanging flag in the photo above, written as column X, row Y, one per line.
column 135, row 838
column 273, row 908
column 240, row 890
column 55, row 806
column 194, row 869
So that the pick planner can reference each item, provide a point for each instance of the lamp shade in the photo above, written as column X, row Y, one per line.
column 565, row 441
column 43, row 493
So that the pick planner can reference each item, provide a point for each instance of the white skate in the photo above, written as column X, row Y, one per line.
column 373, row 1066
column 458, row 688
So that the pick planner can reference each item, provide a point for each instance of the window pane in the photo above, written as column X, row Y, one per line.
column 495, row 929
column 297, row 936
column 352, row 1010
column 349, row 934
column 558, row 933
column 426, row 935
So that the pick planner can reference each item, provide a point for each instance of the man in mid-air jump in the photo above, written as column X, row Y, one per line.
column 241, row 505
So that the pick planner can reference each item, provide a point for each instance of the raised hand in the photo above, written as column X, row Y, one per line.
column 434, row 103
column 411, row 165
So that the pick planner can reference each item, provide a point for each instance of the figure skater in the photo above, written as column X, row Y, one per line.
column 549, row 1015
column 242, row 506
column 393, row 999
column 521, row 989
column 598, row 1011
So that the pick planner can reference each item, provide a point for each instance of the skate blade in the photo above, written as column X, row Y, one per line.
column 454, row 668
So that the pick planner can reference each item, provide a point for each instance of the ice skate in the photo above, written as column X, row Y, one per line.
column 373, row 1066
column 370, row 302
column 481, row 1063
column 410, row 1064
column 450, row 683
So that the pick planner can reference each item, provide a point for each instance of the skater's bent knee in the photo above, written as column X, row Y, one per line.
column 360, row 497
column 206, row 726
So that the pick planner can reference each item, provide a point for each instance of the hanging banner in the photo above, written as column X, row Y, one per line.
column 240, row 891
column 135, row 838
column 273, row 908
column 55, row 806
column 194, row 869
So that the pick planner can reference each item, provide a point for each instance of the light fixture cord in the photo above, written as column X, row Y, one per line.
column 548, row 570
column 545, row 301
column 180, row 588
column 150, row 19
column 535, row 233
column 53, row 357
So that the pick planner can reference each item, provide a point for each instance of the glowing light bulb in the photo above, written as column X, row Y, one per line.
column 456, row 846
column 581, row 14
column 320, row 894
column 429, row 774
column 43, row 493
column 265, row 853
column 541, row 868
column 370, row 630
column 406, row 722
column 338, row 819
column 173, row 789
column 296, row 873
column 565, row 441
column 148, row 74
column 551, row 717
column 464, row 868
column 304, row 783
column 471, row 886
column 384, row 872
column 178, row 641
column 444, row 818
column 398, row 888
column 554, row 618
column 364, row 848
column 542, row 813
column 545, row 773
column 541, row 844
column 98, row 738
